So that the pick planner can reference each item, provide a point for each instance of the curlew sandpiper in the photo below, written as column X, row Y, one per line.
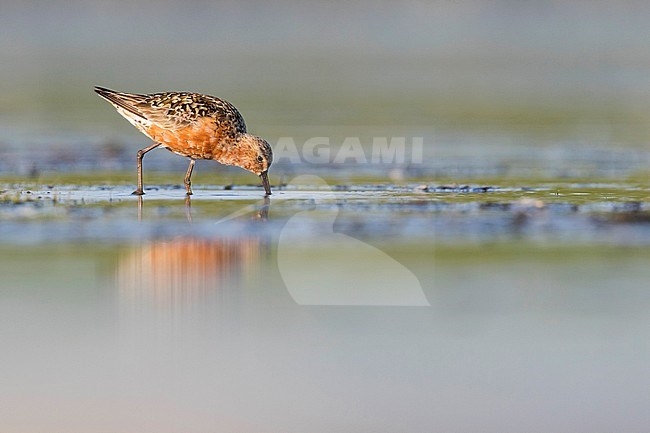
column 193, row 125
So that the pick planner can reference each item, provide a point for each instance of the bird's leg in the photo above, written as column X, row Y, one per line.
column 141, row 153
column 188, row 175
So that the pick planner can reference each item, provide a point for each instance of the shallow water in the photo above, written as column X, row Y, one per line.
column 368, row 307
column 197, row 335
column 568, row 213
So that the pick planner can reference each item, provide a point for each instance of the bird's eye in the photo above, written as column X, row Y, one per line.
column 260, row 159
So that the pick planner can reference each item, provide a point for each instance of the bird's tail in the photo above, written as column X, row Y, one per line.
column 126, row 101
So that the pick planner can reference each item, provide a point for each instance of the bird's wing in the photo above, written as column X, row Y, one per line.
column 126, row 101
column 174, row 110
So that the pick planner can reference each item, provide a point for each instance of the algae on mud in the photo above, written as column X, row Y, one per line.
column 563, row 212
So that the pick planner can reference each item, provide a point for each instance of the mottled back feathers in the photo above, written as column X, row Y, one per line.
column 176, row 110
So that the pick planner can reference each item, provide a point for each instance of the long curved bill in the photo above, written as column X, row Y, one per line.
column 265, row 181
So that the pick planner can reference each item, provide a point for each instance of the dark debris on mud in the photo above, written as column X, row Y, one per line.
column 405, row 213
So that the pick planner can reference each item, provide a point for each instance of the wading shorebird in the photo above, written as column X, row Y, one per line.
column 193, row 125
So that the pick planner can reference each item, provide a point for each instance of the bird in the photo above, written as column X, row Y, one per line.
column 193, row 125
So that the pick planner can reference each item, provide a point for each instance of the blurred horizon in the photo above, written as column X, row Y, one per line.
column 472, row 78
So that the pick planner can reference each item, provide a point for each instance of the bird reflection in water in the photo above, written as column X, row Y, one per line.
column 175, row 275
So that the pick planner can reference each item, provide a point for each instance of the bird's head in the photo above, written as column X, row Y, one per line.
column 256, row 157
